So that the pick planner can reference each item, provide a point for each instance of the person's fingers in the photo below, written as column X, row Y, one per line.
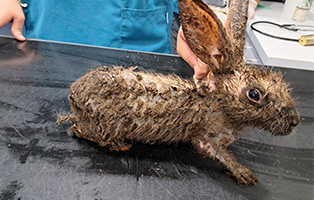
column 201, row 71
column 11, row 11
column 184, row 50
column 4, row 19
column 17, row 27
column 200, row 68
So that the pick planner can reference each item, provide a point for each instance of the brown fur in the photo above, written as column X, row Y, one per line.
column 114, row 106
column 199, row 23
column 236, row 26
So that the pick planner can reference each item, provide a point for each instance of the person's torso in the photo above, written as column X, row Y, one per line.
column 143, row 25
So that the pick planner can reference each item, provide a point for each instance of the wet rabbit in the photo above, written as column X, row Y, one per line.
column 114, row 106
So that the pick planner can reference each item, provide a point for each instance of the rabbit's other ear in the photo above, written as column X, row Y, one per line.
column 205, row 34
column 236, row 27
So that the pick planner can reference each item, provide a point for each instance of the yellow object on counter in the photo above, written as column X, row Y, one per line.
column 307, row 40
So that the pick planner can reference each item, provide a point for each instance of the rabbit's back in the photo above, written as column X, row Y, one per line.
column 117, row 104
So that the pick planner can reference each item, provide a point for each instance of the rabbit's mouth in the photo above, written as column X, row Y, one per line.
column 284, row 125
column 282, row 131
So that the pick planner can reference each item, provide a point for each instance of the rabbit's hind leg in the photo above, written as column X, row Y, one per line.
column 214, row 147
column 82, row 130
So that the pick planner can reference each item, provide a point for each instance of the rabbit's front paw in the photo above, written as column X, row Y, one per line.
column 244, row 175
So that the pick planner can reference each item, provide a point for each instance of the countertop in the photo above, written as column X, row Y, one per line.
column 38, row 160
column 281, row 53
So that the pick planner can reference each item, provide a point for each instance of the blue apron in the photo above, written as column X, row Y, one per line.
column 143, row 25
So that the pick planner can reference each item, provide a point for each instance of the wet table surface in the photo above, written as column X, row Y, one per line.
column 38, row 160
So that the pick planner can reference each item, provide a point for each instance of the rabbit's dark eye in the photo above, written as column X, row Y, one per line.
column 253, row 94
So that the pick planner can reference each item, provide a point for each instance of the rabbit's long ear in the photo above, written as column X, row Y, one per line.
column 236, row 26
column 206, row 35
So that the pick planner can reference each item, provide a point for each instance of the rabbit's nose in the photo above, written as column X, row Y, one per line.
column 295, row 118
column 295, row 121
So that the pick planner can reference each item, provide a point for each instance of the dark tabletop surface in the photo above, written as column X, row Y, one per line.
column 38, row 160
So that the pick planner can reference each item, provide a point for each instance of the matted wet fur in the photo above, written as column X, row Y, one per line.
column 114, row 106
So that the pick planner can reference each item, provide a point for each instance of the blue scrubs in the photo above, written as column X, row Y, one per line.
column 143, row 25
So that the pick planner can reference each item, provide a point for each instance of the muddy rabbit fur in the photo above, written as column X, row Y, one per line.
column 115, row 107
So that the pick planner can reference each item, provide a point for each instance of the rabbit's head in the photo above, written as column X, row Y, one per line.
column 260, row 98
column 249, row 95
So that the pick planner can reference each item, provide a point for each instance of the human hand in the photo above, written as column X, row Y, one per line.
column 11, row 11
column 201, row 69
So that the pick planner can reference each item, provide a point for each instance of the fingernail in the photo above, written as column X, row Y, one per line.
column 198, row 77
column 20, row 37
